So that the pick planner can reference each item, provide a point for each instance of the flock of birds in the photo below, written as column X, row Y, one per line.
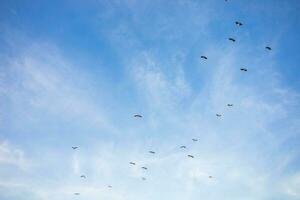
column 238, row 24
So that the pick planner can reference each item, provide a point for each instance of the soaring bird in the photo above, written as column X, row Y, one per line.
column 195, row 140
column 109, row 186
column 145, row 168
column 76, row 193
column 132, row 163
column 269, row 48
column 82, row 176
column 143, row 178
column 229, row 105
column 218, row 115
column 183, row 147
column 190, row 156
column 204, row 57
column 153, row 152
column 244, row 69
column 74, row 148
column 138, row 116
column 231, row 39
column 238, row 23
column 210, row 177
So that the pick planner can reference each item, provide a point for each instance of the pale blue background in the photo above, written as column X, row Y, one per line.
column 74, row 72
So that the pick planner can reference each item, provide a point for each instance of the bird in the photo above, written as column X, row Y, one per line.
column 153, row 152
column 269, row 48
column 244, row 69
column 231, row 39
column 137, row 116
column 183, row 147
column 229, row 105
column 109, row 186
column 218, row 115
column 145, row 168
column 82, row 176
column 195, row 140
column 76, row 193
column 132, row 163
column 190, row 156
column 143, row 178
column 238, row 23
column 74, row 148
column 204, row 57
column 210, row 177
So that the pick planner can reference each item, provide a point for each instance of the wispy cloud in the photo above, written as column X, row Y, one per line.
column 251, row 152
column 10, row 155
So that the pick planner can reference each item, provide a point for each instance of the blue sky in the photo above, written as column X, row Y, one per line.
column 73, row 73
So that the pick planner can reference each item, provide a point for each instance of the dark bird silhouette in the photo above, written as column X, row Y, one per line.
column 76, row 193
column 204, row 57
column 152, row 152
column 143, row 178
column 229, row 105
column 132, row 163
column 269, row 48
column 238, row 23
column 244, row 69
column 74, row 148
column 195, row 140
column 231, row 39
column 218, row 115
column 82, row 176
column 183, row 147
column 109, row 186
column 145, row 168
column 190, row 156
column 137, row 116
column 210, row 177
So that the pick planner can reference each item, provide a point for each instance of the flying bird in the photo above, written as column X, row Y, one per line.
column 210, row 177
column 109, row 186
column 269, row 48
column 238, row 23
column 153, row 152
column 195, row 140
column 145, row 168
column 76, row 193
column 218, row 115
column 82, row 176
column 229, row 105
column 204, row 57
column 231, row 39
column 244, row 69
column 137, row 116
column 74, row 148
column 190, row 156
column 132, row 163
column 143, row 178
column 183, row 147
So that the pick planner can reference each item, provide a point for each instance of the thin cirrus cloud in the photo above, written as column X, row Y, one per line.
column 250, row 152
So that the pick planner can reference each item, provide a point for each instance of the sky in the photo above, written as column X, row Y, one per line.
column 74, row 72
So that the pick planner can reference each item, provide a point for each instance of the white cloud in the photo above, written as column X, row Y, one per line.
column 10, row 155
column 47, row 82
column 242, row 150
